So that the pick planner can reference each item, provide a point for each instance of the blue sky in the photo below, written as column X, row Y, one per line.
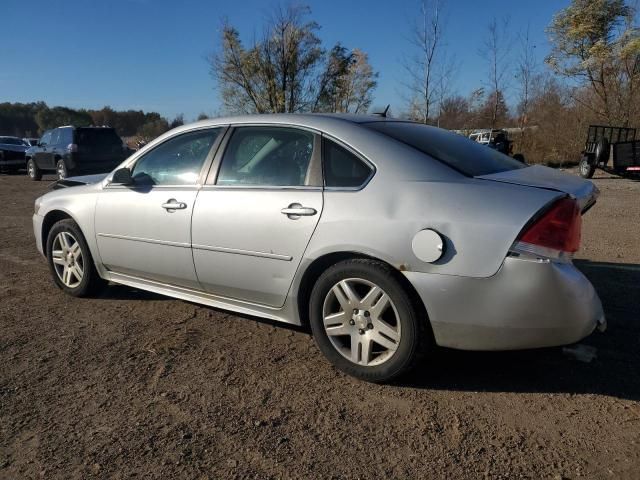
column 151, row 55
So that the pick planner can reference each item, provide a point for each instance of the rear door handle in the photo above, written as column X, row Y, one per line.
column 295, row 210
column 172, row 204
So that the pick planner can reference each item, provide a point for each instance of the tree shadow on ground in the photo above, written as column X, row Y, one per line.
column 613, row 372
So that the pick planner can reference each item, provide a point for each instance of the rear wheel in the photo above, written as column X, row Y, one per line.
column 33, row 171
column 364, row 321
column 61, row 170
column 586, row 167
column 70, row 260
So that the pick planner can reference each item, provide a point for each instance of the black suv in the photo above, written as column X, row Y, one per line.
column 76, row 151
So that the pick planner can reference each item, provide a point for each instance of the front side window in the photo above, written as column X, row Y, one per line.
column 177, row 161
column 342, row 168
column 46, row 138
column 267, row 156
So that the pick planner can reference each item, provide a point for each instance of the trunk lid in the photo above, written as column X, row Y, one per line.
column 584, row 191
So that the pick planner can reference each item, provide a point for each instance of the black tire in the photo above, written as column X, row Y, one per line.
column 61, row 170
column 33, row 172
column 602, row 152
column 91, row 282
column 415, row 339
column 586, row 168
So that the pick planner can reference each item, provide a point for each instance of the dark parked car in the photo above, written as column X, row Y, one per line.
column 76, row 150
column 12, row 153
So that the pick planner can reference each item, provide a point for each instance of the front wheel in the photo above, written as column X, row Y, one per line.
column 33, row 171
column 70, row 260
column 586, row 168
column 61, row 170
column 364, row 321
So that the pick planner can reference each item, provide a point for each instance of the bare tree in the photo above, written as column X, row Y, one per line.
column 426, row 38
column 495, row 52
column 526, row 70
column 288, row 70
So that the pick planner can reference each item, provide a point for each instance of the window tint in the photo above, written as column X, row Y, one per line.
column 99, row 137
column 55, row 137
column 66, row 136
column 341, row 167
column 267, row 156
column 11, row 141
column 465, row 155
column 46, row 138
column 177, row 161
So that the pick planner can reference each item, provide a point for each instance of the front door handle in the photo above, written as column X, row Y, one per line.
column 295, row 211
column 172, row 204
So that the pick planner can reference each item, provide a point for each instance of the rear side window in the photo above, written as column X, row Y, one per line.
column 66, row 136
column 342, row 168
column 100, row 137
column 462, row 154
column 267, row 156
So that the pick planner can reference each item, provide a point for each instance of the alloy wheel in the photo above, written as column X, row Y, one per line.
column 31, row 170
column 361, row 321
column 61, row 171
column 67, row 259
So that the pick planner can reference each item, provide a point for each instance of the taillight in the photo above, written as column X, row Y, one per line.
column 72, row 147
column 556, row 231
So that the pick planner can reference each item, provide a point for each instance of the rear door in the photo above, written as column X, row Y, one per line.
column 252, row 222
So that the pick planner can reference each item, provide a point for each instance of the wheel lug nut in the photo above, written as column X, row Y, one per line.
column 366, row 313
column 370, row 326
column 352, row 322
column 361, row 331
column 355, row 311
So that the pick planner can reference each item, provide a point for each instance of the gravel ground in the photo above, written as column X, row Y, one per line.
column 135, row 384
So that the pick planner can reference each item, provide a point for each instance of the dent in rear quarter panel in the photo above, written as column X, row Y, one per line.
column 479, row 220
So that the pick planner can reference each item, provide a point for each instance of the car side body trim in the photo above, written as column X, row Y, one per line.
column 251, row 253
column 145, row 240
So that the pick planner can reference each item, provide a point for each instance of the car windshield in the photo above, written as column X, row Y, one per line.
column 11, row 141
column 98, row 136
column 460, row 153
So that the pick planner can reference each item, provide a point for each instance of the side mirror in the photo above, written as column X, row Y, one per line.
column 122, row 176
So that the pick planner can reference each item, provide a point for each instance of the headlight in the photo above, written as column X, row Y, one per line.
column 36, row 207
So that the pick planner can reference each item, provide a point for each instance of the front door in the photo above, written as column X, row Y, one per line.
column 250, row 229
column 145, row 229
column 42, row 156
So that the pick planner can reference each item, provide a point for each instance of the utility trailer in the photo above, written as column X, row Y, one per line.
column 612, row 149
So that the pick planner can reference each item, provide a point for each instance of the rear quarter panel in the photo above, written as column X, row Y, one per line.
column 479, row 221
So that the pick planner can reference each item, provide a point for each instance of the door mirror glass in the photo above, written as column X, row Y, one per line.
column 122, row 176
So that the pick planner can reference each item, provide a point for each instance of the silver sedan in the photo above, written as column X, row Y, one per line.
column 386, row 237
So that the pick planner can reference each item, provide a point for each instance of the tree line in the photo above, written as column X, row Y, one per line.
column 591, row 75
column 32, row 119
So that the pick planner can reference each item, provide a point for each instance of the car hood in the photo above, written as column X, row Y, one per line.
column 13, row 148
column 584, row 191
column 79, row 180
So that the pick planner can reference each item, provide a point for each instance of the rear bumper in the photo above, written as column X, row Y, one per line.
column 527, row 304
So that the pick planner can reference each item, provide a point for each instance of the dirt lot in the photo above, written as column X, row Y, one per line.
column 134, row 384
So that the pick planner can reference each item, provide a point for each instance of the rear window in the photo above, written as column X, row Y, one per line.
column 97, row 136
column 466, row 156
